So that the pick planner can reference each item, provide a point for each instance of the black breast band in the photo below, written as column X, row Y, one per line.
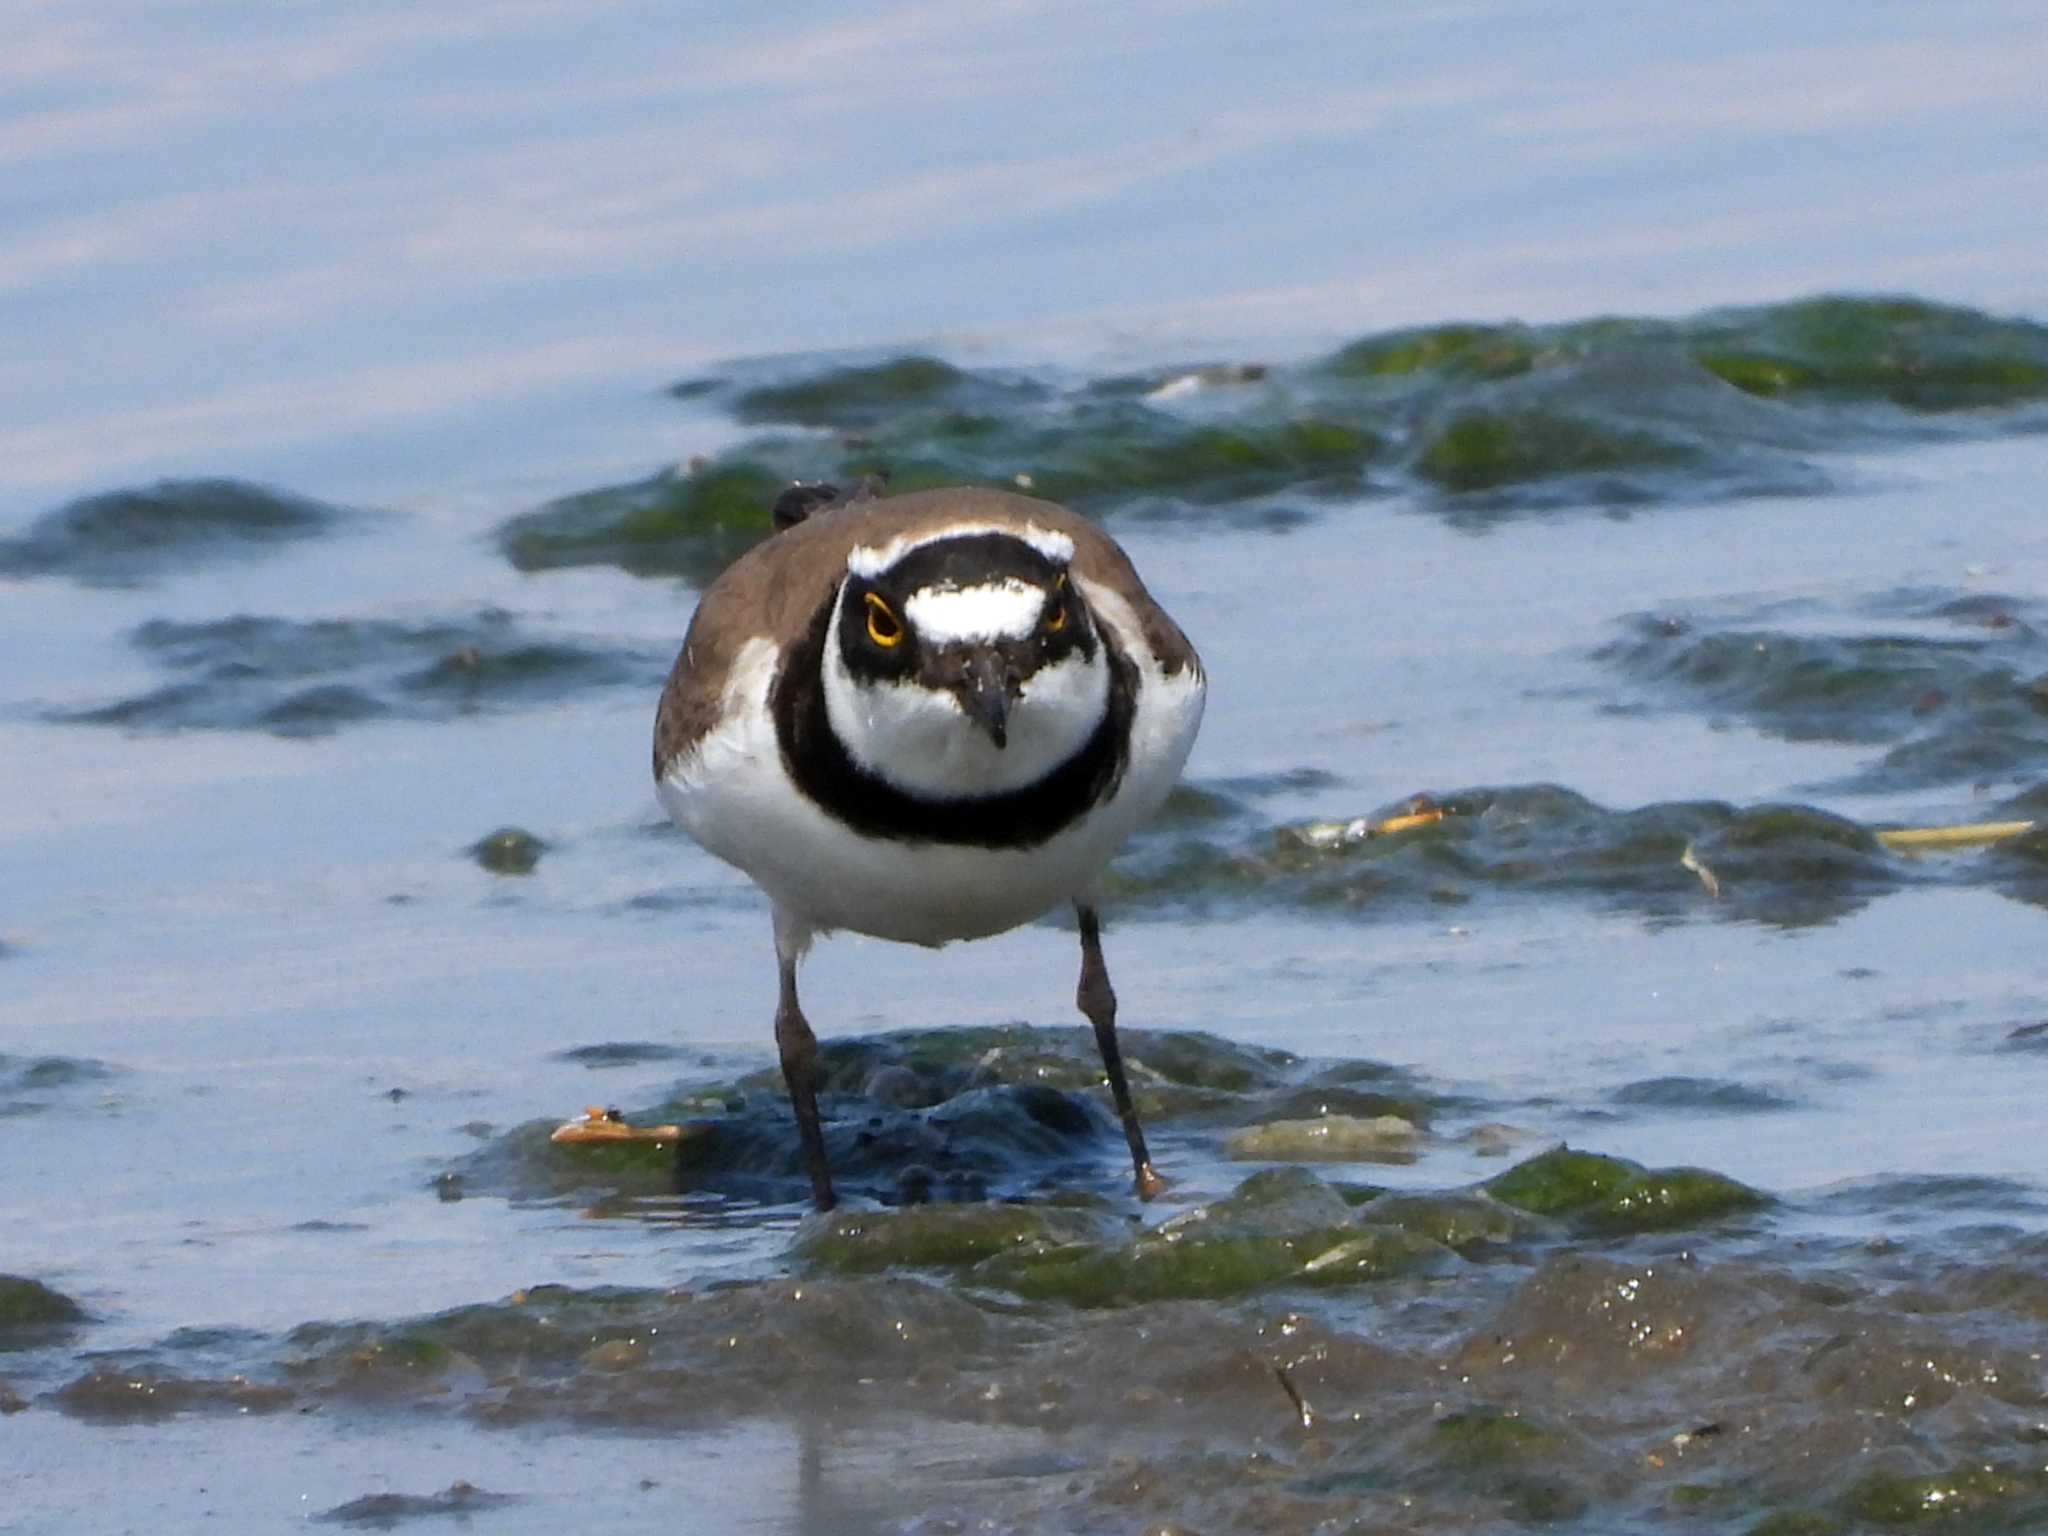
column 1018, row 818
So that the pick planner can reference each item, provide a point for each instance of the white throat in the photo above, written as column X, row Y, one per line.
column 919, row 740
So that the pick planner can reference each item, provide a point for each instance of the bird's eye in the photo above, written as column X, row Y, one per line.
column 1056, row 608
column 884, row 628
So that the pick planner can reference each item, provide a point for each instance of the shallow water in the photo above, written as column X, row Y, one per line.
column 332, row 879
column 298, row 1067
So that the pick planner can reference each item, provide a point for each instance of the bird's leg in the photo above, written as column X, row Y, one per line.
column 1097, row 999
column 799, row 1048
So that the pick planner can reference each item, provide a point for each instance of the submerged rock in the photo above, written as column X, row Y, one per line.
column 27, row 1307
column 2003, row 1495
column 1509, row 1457
column 1154, row 1268
column 126, row 536
column 1695, row 1094
column 1275, row 1202
column 1328, row 1139
column 868, row 395
column 111, row 1394
column 384, row 1510
column 1468, row 1222
column 1943, row 682
column 1013, row 1127
column 508, row 851
column 944, row 1115
column 1788, row 865
column 32, row 1084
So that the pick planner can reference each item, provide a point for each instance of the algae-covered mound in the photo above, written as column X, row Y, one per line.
column 1611, row 1196
column 310, row 677
column 1282, row 1227
column 1486, row 447
column 126, row 536
column 1095, row 455
column 690, row 522
column 941, row 1236
column 1912, row 353
column 1447, row 351
column 1902, row 351
column 1484, row 421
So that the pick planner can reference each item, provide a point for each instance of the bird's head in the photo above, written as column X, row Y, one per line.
column 964, row 663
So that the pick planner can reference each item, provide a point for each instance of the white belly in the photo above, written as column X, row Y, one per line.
column 732, row 796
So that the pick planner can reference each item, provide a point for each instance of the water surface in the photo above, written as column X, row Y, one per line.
column 357, row 500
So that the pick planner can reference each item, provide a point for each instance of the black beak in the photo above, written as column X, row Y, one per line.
column 983, row 690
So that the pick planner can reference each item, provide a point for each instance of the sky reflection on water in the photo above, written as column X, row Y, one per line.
column 355, row 248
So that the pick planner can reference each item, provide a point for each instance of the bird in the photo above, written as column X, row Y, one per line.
column 926, row 717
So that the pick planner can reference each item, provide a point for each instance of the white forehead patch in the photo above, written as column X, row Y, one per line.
column 997, row 610
column 871, row 561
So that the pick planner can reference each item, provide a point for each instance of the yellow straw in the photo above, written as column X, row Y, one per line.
column 1975, row 835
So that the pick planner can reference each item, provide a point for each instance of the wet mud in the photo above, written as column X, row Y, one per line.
column 1575, row 1340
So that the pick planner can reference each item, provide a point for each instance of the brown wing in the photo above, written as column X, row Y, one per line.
column 774, row 591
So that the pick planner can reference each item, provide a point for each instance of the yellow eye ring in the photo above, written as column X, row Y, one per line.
column 884, row 628
column 1056, row 611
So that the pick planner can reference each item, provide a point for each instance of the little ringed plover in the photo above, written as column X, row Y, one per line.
column 926, row 718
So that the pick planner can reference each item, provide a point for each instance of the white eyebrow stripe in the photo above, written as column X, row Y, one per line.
column 993, row 611
column 869, row 561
